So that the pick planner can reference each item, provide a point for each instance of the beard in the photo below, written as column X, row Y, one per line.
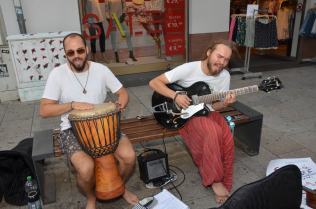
column 210, row 66
column 80, row 68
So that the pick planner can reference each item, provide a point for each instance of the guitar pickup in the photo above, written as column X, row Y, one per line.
column 162, row 108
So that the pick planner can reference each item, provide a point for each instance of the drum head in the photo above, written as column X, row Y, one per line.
column 99, row 109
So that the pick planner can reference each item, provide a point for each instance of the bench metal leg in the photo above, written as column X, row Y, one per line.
column 248, row 136
column 43, row 148
column 46, row 183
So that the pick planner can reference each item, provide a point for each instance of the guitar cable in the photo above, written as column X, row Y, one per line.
column 174, row 187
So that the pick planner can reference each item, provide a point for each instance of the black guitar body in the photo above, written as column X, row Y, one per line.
column 174, row 122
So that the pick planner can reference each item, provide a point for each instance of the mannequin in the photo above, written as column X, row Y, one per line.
column 119, row 8
column 138, row 10
column 93, row 7
column 158, row 5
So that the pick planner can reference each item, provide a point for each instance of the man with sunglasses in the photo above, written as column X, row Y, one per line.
column 78, row 85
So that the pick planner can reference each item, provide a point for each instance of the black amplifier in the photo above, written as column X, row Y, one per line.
column 153, row 165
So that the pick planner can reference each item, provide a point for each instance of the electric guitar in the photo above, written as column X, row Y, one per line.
column 170, row 116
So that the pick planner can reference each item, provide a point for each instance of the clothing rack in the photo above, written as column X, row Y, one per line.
column 245, row 69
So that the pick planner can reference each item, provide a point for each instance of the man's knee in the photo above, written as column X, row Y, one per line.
column 84, row 165
column 125, row 152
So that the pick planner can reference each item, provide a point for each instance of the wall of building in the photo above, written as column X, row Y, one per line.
column 42, row 16
column 208, row 21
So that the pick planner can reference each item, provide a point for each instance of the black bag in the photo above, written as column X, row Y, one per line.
column 282, row 189
column 15, row 166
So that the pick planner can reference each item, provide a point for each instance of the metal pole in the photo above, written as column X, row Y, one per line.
column 19, row 15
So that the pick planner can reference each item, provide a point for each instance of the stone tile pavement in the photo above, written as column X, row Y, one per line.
column 288, row 132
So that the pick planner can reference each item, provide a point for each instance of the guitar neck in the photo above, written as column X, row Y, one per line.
column 221, row 95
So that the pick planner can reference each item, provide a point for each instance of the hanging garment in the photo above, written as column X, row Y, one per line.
column 138, row 13
column 270, row 10
column 241, row 33
column 308, row 24
column 232, row 25
column 313, row 33
column 285, row 23
column 250, row 33
column 235, row 30
column 266, row 34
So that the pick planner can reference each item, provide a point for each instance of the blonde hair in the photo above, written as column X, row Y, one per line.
column 225, row 42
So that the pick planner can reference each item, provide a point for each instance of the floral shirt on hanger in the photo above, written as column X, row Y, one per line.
column 241, row 32
column 157, row 5
column 138, row 13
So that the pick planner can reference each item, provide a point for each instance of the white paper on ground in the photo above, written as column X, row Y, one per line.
column 166, row 200
column 308, row 171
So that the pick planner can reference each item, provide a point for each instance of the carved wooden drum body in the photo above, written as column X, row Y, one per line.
column 97, row 131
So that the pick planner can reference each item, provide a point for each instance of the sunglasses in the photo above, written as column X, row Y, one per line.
column 71, row 53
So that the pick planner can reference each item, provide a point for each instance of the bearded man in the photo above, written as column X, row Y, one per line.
column 78, row 85
column 208, row 138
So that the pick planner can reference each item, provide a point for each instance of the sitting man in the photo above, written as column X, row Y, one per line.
column 208, row 138
column 78, row 85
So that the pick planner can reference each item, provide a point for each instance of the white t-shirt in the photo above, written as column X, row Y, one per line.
column 63, row 86
column 189, row 73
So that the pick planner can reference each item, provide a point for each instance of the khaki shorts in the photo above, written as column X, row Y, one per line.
column 69, row 144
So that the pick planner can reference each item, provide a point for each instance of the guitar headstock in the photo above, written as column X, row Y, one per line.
column 272, row 83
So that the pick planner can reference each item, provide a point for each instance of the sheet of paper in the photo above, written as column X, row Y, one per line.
column 166, row 200
column 251, row 7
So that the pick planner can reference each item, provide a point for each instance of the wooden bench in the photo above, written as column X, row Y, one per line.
column 247, row 135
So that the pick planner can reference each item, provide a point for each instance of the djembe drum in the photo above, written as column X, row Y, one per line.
column 97, row 131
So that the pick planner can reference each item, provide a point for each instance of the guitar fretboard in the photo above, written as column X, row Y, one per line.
column 221, row 95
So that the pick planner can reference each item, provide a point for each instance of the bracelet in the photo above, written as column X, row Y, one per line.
column 175, row 105
column 71, row 104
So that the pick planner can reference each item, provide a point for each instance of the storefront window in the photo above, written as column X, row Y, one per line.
column 133, row 36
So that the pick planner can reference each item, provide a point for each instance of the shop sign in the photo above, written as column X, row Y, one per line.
column 299, row 7
column 174, row 20
column 175, row 44
column 174, row 4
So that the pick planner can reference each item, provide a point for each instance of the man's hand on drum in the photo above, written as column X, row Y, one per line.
column 82, row 106
column 119, row 105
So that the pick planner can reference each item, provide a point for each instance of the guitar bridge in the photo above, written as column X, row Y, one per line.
column 162, row 108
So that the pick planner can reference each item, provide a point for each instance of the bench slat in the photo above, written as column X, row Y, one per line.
column 150, row 135
column 141, row 129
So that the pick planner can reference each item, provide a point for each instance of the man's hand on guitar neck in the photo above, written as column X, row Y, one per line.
column 230, row 99
column 183, row 101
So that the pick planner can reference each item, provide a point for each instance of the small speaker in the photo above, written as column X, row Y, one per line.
column 153, row 165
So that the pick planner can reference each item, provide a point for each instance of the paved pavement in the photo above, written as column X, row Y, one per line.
column 288, row 132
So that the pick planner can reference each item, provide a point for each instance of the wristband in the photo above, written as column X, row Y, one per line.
column 71, row 104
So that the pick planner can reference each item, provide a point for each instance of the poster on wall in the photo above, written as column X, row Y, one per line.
column 4, row 71
column 175, row 21
column 175, row 44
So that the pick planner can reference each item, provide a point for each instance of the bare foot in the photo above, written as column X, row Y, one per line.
column 220, row 190
column 220, row 199
column 130, row 197
column 91, row 204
